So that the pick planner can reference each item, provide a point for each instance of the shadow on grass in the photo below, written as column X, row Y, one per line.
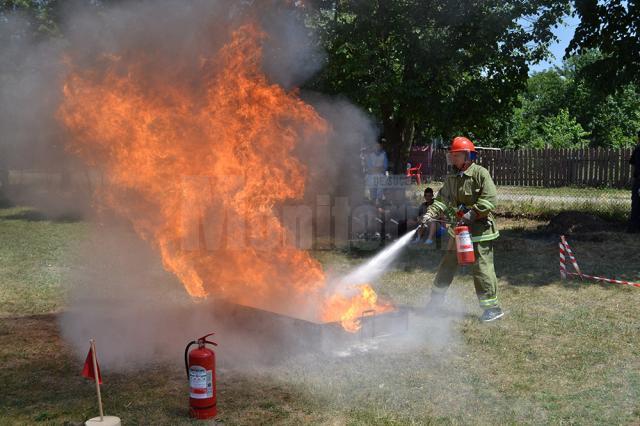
column 37, row 216
column 530, row 257
column 40, row 380
column 5, row 203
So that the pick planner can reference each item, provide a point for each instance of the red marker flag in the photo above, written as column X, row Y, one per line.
column 87, row 370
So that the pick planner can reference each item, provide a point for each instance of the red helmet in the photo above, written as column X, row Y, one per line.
column 460, row 143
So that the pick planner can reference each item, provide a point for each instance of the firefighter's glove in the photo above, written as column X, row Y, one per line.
column 469, row 217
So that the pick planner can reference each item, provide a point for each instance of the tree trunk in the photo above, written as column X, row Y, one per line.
column 399, row 134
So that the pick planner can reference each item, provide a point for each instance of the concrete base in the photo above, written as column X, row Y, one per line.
column 106, row 421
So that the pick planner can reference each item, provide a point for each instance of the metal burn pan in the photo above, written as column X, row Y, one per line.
column 295, row 334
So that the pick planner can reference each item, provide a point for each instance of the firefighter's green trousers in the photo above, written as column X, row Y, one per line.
column 484, row 275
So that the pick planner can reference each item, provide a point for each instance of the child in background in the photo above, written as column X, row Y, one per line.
column 435, row 229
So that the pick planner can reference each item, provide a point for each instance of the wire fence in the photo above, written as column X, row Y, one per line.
column 607, row 202
column 547, row 181
column 545, row 202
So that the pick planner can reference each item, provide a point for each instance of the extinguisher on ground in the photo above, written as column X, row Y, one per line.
column 200, row 364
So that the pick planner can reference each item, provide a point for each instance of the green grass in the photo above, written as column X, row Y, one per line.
column 566, row 191
column 567, row 352
column 544, row 203
column 546, row 210
column 543, row 191
column 34, row 256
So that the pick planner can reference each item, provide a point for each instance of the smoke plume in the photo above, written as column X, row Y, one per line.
column 120, row 292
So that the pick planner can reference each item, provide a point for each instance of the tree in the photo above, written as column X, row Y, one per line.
column 617, row 119
column 558, row 98
column 41, row 14
column 445, row 66
column 562, row 131
column 612, row 27
column 611, row 118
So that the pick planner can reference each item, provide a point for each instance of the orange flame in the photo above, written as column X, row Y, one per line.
column 150, row 133
column 349, row 309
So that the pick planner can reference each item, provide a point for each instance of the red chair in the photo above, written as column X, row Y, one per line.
column 415, row 172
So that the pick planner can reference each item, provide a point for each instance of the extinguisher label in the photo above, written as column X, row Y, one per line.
column 463, row 240
column 200, row 382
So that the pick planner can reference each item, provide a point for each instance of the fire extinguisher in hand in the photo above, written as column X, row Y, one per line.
column 200, row 364
column 464, row 245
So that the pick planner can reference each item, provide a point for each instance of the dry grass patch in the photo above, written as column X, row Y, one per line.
column 567, row 352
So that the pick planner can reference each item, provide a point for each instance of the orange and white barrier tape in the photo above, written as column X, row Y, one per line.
column 565, row 251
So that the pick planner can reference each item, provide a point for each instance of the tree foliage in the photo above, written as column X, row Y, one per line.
column 41, row 14
column 429, row 68
column 612, row 27
column 560, row 101
column 440, row 66
column 562, row 131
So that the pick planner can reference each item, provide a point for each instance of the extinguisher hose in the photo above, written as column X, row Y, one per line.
column 186, row 355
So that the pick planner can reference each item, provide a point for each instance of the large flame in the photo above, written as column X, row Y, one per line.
column 154, row 136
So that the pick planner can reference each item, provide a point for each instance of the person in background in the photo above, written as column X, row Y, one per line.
column 433, row 229
column 634, row 217
column 377, row 165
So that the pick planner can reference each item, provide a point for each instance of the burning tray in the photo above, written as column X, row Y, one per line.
column 294, row 335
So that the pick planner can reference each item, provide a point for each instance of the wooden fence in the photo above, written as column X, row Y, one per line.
column 594, row 167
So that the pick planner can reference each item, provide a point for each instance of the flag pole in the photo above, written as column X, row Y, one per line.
column 96, row 375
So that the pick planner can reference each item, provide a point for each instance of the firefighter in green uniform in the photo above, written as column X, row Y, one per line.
column 472, row 191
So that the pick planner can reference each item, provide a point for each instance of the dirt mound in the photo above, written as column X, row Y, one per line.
column 574, row 222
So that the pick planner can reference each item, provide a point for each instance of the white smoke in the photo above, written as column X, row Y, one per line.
column 119, row 292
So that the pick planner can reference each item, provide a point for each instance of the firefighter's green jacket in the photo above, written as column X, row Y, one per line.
column 475, row 189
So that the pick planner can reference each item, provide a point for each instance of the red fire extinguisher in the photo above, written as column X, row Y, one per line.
column 464, row 246
column 201, row 372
